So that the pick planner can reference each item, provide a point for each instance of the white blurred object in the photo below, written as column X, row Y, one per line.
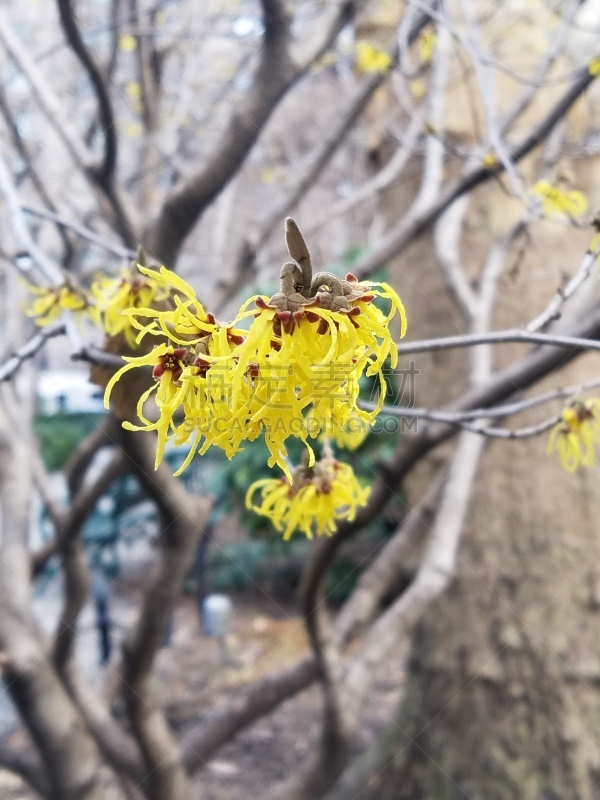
column 216, row 614
column 68, row 391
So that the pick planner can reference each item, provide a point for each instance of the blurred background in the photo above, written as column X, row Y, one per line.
column 408, row 141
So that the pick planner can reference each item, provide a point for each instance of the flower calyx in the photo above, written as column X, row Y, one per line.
column 320, row 474
column 337, row 294
column 299, row 289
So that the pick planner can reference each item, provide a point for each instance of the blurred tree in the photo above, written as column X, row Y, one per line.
column 195, row 130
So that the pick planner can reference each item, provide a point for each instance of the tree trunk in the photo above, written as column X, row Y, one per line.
column 501, row 699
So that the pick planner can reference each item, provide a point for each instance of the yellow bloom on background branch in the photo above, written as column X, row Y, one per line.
column 51, row 301
column 313, row 502
column 556, row 201
column 370, row 59
column 426, row 44
column 490, row 161
column 594, row 67
column 576, row 434
column 116, row 297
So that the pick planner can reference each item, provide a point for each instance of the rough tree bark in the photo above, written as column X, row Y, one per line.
column 66, row 750
column 501, row 699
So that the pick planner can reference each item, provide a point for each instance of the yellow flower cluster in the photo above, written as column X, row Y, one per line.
column 556, row 201
column 426, row 43
column 313, row 501
column 287, row 366
column 576, row 434
column 107, row 303
column 231, row 384
column 594, row 67
column 188, row 374
column 490, row 161
column 51, row 301
column 113, row 297
column 371, row 60
column 299, row 362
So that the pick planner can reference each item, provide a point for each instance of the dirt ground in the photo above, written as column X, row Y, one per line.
column 191, row 678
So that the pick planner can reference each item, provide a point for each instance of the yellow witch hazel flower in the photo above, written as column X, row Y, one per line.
column 168, row 366
column 309, row 344
column 51, row 301
column 594, row 67
column 303, row 355
column 188, row 372
column 370, row 59
column 352, row 434
column 576, row 434
column 426, row 43
column 185, row 322
column 559, row 202
column 313, row 501
column 116, row 297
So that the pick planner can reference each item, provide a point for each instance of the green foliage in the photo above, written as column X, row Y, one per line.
column 269, row 563
column 60, row 434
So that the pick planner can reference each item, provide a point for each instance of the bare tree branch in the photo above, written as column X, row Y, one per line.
column 555, row 48
column 69, row 136
column 446, row 236
column 433, row 160
column 26, row 765
column 505, row 410
column 32, row 171
column 105, row 171
column 382, row 180
column 75, row 564
column 378, row 578
column 47, row 267
column 496, row 337
column 409, row 229
column 334, row 744
column 86, row 233
column 30, row 350
column 312, row 166
column 278, row 71
column 119, row 748
column 93, row 355
column 68, row 753
column 184, row 517
column 487, row 91
column 552, row 311
column 481, row 357
column 275, row 74
column 436, row 569
column 46, row 97
column 246, row 706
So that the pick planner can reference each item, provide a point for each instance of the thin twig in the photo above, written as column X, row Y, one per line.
column 506, row 410
column 47, row 267
column 410, row 228
column 555, row 48
column 496, row 337
column 487, row 91
column 29, row 350
column 86, row 233
column 105, row 171
column 527, row 432
column 552, row 311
